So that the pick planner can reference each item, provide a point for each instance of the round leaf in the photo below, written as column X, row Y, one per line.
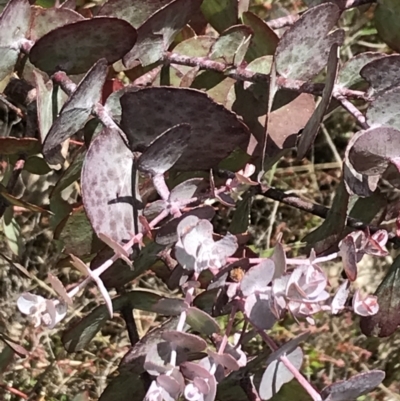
column 74, row 48
column 216, row 132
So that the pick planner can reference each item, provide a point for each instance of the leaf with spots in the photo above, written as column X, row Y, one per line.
column 304, row 48
column 356, row 386
column 109, row 183
column 157, row 33
column 75, row 47
column 382, row 73
column 44, row 20
column 14, row 25
column 312, row 127
column 384, row 109
column 173, row 106
column 373, row 150
column 77, row 109
column 136, row 12
column 349, row 75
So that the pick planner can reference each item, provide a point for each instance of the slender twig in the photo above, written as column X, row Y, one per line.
column 353, row 111
column 288, row 20
column 243, row 74
column 319, row 210
column 15, row 109
column 12, row 182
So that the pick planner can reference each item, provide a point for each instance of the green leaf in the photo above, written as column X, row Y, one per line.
column 386, row 321
column 126, row 386
column 387, row 22
column 78, row 337
column 221, row 14
column 201, row 321
column 76, row 233
column 121, row 274
column 36, row 165
column 264, row 40
column 232, row 45
column 312, row 127
column 19, row 146
column 71, row 174
column 12, row 232
column 241, row 217
column 330, row 232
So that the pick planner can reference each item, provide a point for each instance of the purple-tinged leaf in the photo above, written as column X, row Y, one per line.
column 257, row 278
column 312, row 127
column 357, row 183
column 350, row 74
column 340, row 298
column 303, row 49
column 118, row 249
column 187, row 341
column 201, row 321
column 353, row 388
column 221, row 14
column 186, row 190
column 44, row 20
column 226, row 360
column 367, row 306
column 86, row 271
column 258, row 309
column 167, row 234
column 157, row 33
column 387, row 23
column 165, row 151
column 372, row 151
column 108, row 176
column 348, row 253
column 383, row 110
column 17, row 348
column 171, row 386
column 173, row 106
column 77, row 109
column 192, row 370
column 59, row 288
column 74, row 48
column 264, row 40
column 136, row 12
column 77, row 337
column 231, row 46
column 276, row 374
column 14, row 25
column 382, row 73
column 386, row 321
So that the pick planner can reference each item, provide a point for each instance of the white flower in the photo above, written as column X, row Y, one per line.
column 41, row 310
